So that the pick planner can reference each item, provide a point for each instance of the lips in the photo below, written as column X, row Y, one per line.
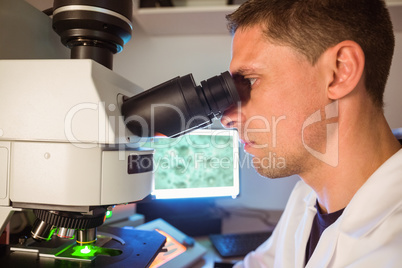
column 244, row 141
column 247, row 144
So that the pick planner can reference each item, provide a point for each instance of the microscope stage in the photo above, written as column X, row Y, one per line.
column 114, row 247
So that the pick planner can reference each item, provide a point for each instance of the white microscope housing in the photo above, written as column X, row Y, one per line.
column 63, row 139
column 70, row 128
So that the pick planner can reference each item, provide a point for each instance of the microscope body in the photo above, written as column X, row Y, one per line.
column 70, row 129
column 63, row 139
column 63, row 143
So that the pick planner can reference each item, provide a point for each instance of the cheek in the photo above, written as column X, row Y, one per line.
column 267, row 122
column 278, row 123
column 279, row 110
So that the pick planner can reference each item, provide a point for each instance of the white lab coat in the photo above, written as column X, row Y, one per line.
column 367, row 234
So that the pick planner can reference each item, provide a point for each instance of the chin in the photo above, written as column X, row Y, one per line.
column 272, row 173
column 274, row 166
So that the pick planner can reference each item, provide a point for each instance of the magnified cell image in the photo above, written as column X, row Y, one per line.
column 193, row 161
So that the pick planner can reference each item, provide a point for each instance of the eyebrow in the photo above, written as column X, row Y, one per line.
column 243, row 71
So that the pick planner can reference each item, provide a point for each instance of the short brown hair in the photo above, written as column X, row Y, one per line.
column 313, row 26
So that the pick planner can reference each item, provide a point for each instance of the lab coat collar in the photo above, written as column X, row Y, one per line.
column 367, row 210
column 303, row 230
column 384, row 183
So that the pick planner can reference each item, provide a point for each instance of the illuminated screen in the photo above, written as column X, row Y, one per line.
column 203, row 163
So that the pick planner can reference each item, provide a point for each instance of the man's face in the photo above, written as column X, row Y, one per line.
column 279, row 90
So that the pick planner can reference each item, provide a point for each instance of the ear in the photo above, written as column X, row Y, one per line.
column 346, row 63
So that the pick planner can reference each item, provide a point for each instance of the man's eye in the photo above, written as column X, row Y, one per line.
column 252, row 80
column 243, row 86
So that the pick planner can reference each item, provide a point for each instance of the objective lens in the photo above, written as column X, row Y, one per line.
column 42, row 231
column 86, row 236
column 48, row 221
column 178, row 106
column 65, row 232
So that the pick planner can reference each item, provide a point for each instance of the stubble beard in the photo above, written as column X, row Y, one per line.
column 281, row 165
column 295, row 162
column 275, row 173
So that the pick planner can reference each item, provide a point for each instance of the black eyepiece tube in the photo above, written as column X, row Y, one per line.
column 93, row 29
column 178, row 106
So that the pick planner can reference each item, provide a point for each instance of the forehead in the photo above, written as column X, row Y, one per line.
column 251, row 33
column 247, row 46
column 252, row 50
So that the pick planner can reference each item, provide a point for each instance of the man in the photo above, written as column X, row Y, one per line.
column 311, row 76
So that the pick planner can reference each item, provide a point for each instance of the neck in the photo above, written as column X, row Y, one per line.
column 365, row 143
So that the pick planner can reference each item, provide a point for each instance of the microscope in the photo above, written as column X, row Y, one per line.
column 70, row 135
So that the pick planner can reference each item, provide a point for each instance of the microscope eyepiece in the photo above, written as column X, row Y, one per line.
column 178, row 106
column 93, row 29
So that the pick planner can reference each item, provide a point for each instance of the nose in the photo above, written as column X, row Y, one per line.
column 232, row 117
